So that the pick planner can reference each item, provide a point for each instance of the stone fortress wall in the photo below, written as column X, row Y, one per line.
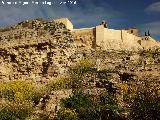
column 111, row 39
column 116, row 39
column 133, row 31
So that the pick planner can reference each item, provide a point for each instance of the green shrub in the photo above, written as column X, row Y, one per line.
column 108, row 107
column 81, row 103
column 16, row 110
column 44, row 116
column 38, row 93
column 78, row 71
column 82, row 67
column 89, row 107
column 146, row 104
column 59, row 83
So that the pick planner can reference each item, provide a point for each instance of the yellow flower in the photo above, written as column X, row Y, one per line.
column 17, row 89
column 19, row 95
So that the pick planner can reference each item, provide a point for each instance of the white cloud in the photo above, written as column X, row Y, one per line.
column 155, row 7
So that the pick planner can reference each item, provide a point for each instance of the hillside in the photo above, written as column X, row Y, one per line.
column 35, row 49
column 46, row 67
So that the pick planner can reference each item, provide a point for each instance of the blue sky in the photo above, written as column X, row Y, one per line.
column 143, row 14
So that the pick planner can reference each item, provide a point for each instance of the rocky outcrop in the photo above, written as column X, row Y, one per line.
column 35, row 50
column 40, row 50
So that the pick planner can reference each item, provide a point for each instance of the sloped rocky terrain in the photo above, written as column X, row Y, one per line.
column 35, row 50
column 39, row 51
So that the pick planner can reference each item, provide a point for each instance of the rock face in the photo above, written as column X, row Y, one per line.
column 35, row 50
column 111, row 69
column 40, row 50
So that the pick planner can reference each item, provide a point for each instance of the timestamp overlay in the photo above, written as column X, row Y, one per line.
column 36, row 2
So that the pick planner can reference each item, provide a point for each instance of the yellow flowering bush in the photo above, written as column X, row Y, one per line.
column 128, row 90
column 85, row 63
column 124, row 87
column 66, row 114
column 16, row 90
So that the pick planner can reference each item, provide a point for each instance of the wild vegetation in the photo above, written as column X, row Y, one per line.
column 123, row 100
